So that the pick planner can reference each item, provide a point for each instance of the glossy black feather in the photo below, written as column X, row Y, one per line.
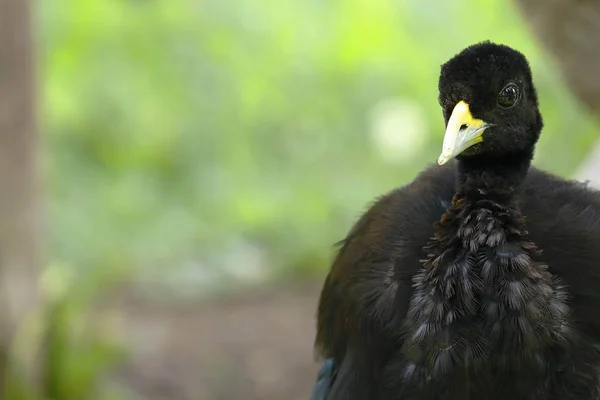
column 478, row 280
column 366, row 297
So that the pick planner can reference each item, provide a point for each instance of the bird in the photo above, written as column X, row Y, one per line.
column 480, row 278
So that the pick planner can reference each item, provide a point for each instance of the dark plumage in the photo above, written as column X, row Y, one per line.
column 480, row 279
column 325, row 377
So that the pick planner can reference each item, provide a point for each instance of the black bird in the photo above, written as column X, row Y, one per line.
column 480, row 279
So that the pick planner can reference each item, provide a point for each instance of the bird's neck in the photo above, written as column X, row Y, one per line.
column 480, row 281
column 477, row 175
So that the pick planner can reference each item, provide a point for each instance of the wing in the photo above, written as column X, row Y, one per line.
column 563, row 218
column 325, row 378
column 367, row 291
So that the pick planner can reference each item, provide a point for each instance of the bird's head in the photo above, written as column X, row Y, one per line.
column 489, row 104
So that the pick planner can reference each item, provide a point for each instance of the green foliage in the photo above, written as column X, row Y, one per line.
column 78, row 343
column 198, row 139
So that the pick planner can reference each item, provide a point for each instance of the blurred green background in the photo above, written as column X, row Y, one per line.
column 201, row 141
column 204, row 145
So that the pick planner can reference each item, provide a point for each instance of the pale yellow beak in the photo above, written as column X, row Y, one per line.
column 462, row 132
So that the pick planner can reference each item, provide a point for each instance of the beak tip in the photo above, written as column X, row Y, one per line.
column 442, row 160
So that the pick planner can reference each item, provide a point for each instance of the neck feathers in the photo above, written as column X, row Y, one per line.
column 484, row 299
column 488, row 172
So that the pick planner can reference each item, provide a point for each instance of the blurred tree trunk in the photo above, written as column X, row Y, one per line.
column 18, row 189
column 570, row 30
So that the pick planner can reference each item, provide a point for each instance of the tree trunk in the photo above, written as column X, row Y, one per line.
column 18, row 178
column 570, row 30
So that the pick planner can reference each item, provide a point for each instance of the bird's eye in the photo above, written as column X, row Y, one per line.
column 508, row 96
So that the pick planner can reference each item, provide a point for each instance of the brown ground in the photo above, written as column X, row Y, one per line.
column 250, row 346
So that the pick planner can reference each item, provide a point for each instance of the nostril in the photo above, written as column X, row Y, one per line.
column 463, row 127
